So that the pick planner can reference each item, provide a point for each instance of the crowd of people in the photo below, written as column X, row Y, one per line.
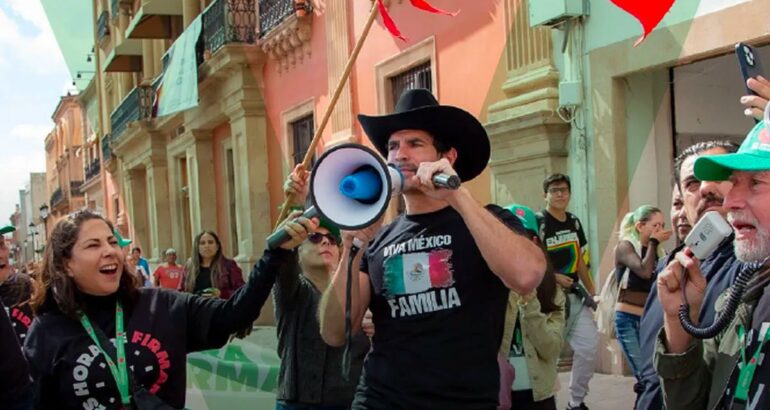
column 450, row 305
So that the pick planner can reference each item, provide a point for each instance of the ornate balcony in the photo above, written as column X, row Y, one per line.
column 57, row 197
column 136, row 106
column 229, row 21
column 106, row 150
column 75, row 188
column 272, row 13
column 93, row 169
column 284, row 30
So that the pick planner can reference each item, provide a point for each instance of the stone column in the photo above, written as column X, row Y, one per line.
column 337, row 53
column 190, row 10
column 135, row 194
column 158, row 204
column 200, row 168
column 253, row 217
column 149, row 70
column 528, row 138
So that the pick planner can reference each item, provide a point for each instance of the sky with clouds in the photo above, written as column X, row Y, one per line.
column 33, row 75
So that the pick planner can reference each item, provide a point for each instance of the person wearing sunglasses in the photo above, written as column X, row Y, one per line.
column 310, row 376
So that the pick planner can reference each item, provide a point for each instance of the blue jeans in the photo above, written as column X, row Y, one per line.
column 287, row 406
column 627, row 331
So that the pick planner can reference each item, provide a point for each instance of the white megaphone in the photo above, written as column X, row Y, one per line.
column 351, row 186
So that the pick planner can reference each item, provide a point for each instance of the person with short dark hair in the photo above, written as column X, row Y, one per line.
column 15, row 290
column 142, row 266
column 720, row 268
column 729, row 371
column 564, row 239
column 679, row 222
column 437, row 278
column 310, row 377
column 87, row 298
column 169, row 274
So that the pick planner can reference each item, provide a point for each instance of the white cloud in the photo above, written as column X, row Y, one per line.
column 35, row 133
column 30, row 10
column 38, row 52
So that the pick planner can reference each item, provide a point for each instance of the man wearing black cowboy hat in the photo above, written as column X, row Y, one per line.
column 438, row 329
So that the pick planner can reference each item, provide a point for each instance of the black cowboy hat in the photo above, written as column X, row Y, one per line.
column 418, row 109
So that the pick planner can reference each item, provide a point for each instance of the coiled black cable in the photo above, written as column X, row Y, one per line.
column 728, row 313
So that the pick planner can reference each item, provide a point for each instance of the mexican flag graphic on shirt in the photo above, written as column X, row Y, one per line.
column 411, row 273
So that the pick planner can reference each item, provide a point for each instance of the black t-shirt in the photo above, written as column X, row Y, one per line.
column 203, row 281
column 563, row 240
column 438, row 311
column 15, row 293
column 161, row 326
column 14, row 373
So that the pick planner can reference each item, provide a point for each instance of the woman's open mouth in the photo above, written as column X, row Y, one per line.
column 110, row 269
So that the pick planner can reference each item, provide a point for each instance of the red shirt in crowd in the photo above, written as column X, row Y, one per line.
column 168, row 276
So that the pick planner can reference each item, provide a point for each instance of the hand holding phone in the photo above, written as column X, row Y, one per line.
column 751, row 68
column 750, row 64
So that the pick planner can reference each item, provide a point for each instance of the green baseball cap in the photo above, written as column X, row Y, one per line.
column 6, row 229
column 525, row 215
column 752, row 156
column 332, row 228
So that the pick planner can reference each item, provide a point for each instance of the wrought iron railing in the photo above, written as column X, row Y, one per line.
column 57, row 196
column 93, row 169
column 273, row 12
column 103, row 25
column 136, row 106
column 106, row 149
column 229, row 21
column 75, row 188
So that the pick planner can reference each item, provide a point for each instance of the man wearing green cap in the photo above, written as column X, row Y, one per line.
column 729, row 371
column 310, row 376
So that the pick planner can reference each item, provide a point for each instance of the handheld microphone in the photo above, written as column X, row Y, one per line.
column 446, row 181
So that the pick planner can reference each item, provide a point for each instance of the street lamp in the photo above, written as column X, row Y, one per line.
column 44, row 216
column 32, row 233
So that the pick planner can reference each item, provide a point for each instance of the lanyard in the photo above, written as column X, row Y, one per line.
column 747, row 368
column 119, row 371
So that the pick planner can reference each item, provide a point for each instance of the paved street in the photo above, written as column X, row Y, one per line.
column 607, row 392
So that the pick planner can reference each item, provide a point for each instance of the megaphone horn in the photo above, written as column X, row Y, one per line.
column 351, row 186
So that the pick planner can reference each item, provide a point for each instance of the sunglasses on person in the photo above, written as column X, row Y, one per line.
column 317, row 238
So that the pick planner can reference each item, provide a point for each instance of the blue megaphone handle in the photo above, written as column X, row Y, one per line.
column 362, row 185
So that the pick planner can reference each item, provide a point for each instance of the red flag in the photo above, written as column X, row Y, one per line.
column 649, row 13
column 420, row 4
column 388, row 22
column 423, row 5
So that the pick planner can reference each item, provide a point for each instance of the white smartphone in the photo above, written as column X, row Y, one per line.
column 707, row 234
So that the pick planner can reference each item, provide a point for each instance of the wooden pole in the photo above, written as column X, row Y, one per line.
column 332, row 103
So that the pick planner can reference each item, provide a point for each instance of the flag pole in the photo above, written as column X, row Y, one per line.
column 332, row 103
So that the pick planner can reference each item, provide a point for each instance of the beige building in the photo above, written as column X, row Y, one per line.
column 65, row 159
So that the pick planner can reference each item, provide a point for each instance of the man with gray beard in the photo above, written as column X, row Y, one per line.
column 719, row 268
column 728, row 371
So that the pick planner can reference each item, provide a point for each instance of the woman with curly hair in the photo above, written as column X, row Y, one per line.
column 87, row 298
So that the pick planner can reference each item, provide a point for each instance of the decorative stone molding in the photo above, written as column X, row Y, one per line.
column 289, row 42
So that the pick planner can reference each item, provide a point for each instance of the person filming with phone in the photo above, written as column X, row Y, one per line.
column 728, row 370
